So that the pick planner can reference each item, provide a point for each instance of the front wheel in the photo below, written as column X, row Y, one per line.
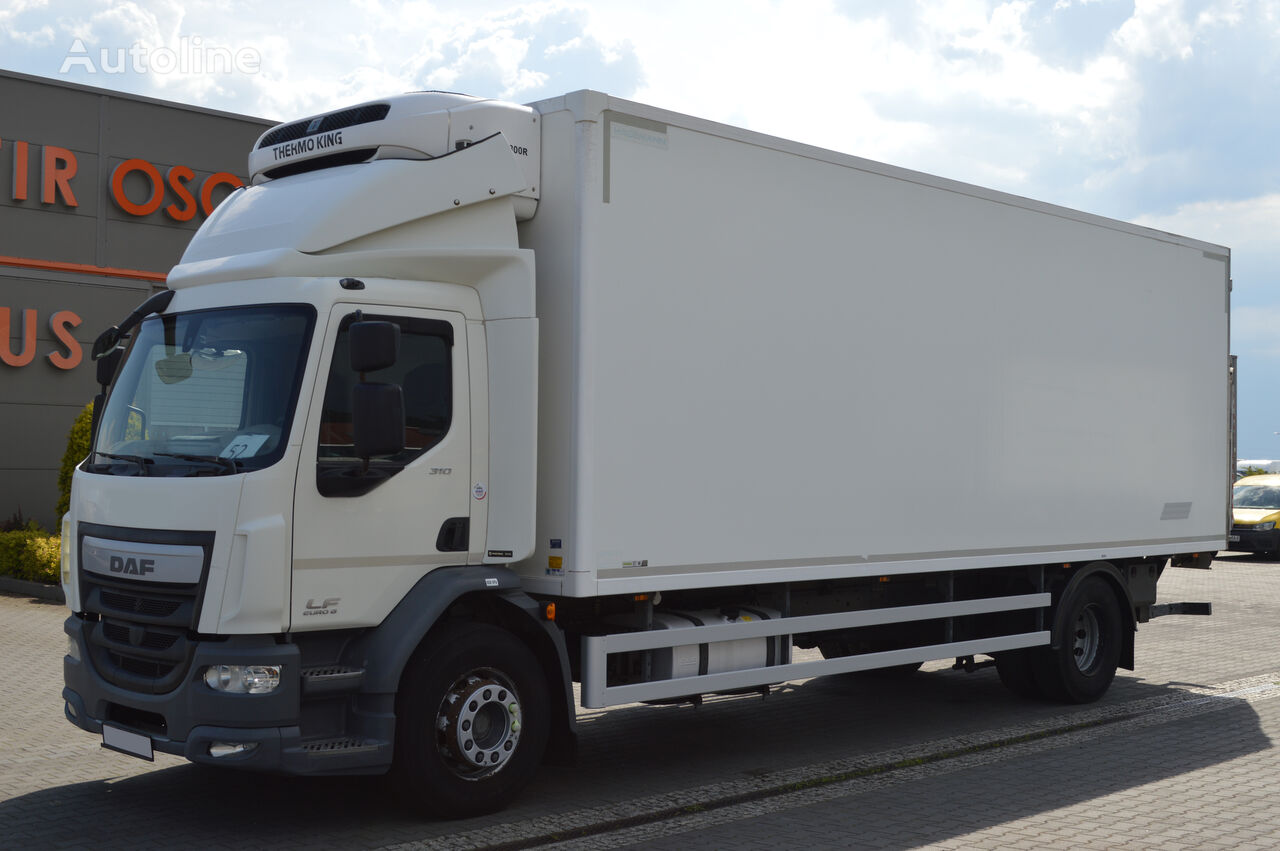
column 1081, row 669
column 471, row 722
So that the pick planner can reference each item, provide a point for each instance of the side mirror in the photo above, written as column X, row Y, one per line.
column 374, row 345
column 107, row 364
column 106, row 343
column 377, row 419
column 377, row 410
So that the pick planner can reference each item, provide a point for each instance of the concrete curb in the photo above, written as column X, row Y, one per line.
column 25, row 588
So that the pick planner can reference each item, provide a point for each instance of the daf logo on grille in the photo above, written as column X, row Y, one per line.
column 137, row 561
column 132, row 566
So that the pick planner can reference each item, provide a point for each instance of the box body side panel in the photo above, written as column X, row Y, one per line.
column 771, row 359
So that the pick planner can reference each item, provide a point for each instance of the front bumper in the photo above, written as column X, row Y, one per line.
column 1248, row 540
column 187, row 720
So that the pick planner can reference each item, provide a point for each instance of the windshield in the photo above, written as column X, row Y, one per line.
column 1256, row 496
column 205, row 393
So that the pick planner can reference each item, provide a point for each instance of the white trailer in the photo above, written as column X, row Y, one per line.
column 386, row 490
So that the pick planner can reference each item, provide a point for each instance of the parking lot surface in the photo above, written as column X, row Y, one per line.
column 1179, row 753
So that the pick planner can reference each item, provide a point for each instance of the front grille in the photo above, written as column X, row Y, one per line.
column 139, row 604
column 143, row 636
column 138, row 719
column 139, row 657
column 138, row 636
column 355, row 155
column 333, row 121
column 141, row 667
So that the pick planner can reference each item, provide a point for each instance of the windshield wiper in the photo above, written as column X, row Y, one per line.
column 229, row 465
column 136, row 459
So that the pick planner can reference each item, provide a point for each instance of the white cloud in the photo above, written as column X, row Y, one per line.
column 1225, row 13
column 41, row 37
column 22, row 22
column 1158, row 28
column 1250, row 225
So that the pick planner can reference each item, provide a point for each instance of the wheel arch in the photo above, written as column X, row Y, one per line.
column 486, row 594
column 1116, row 582
column 518, row 613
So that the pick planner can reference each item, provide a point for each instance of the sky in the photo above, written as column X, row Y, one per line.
column 1165, row 113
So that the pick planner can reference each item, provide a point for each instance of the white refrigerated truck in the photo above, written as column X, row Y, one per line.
column 461, row 402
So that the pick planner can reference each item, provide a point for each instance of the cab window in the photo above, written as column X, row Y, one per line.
column 424, row 371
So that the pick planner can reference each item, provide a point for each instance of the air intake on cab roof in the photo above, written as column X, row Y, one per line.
column 333, row 121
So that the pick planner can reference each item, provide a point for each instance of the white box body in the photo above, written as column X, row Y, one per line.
column 761, row 361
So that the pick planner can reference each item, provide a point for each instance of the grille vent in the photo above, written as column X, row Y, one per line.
column 138, row 604
column 333, row 121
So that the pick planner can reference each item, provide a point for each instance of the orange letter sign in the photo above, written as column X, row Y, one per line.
column 154, row 200
column 59, row 167
column 19, row 171
column 28, row 338
column 178, row 177
column 61, row 324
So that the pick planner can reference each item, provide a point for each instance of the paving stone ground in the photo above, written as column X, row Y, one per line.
column 1188, row 766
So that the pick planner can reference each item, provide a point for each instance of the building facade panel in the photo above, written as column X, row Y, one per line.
column 100, row 193
column 39, row 447
column 213, row 141
column 47, row 235
column 50, row 114
column 144, row 246
column 32, row 494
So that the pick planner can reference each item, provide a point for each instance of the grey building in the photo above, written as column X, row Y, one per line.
column 99, row 194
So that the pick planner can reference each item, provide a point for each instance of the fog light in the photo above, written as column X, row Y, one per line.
column 71, row 710
column 73, row 649
column 217, row 750
column 243, row 679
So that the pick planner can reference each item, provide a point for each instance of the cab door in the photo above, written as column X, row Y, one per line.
column 361, row 539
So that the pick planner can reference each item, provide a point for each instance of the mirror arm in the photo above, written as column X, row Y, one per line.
column 110, row 339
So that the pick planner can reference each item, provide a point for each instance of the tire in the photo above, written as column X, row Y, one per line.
column 1082, row 668
column 472, row 721
column 1017, row 672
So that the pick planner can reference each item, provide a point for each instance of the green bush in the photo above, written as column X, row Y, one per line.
column 30, row 553
column 77, row 448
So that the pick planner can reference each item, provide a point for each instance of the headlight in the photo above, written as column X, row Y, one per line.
column 73, row 649
column 243, row 679
column 1265, row 527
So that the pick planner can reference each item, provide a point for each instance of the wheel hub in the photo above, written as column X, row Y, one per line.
column 1087, row 636
column 478, row 725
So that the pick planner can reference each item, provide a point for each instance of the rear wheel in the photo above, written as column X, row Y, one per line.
column 471, row 722
column 1081, row 669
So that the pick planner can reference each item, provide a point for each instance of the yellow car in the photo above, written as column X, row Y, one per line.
column 1255, row 510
